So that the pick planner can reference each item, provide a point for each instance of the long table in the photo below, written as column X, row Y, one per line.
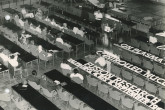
column 71, row 25
column 81, row 93
column 11, row 11
column 12, row 47
column 32, row 96
column 13, row 27
column 75, row 42
column 150, row 101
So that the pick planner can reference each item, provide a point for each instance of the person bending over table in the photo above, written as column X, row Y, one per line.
column 42, row 51
column 53, row 22
column 33, row 77
column 26, row 14
column 77, row 77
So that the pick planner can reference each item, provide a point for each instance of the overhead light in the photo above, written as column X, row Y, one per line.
column 7, row 17
column 7, row 90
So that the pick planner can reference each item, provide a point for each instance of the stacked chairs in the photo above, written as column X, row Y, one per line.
column 127, row 75
column 114, row 97
column 135, row 43
column 136, row 59
column 147, row 64
column 92, row 83
column 151, row 87
column 126, row 55
column 144, row 46
column 154, row 50
column 116, row 50
column 103, row 90
column 138, row 81
column 127, row 103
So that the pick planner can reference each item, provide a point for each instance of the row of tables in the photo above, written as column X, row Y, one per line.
column 80, row 92
column 74, row 42
column 12, row 47
column 37, row 100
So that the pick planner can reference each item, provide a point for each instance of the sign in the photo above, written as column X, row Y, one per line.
column 133, row 68
column 142, row 96
column 140, row 52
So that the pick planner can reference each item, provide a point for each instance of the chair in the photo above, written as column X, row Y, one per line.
column 126, row 55
column 137, row 80
column 115, row 69
column 48, row 93
column 67, row 49
column 19, row 70
column 92, row 83
column 154, row 50
column 114, row 97
column 138, row 106
column 151, row 87
column 161, row 93
column 116, row 50
column 103, row 90
column 159, row 69
column 88, row 42
column 33, row 50
column 34, row 85
column 136, row 59
column 144, row 46
column 147, row 64
column 135, row 43
column 64, row 97
column 127, row 75
column 74, row 103
column 126, row 103
column 45, row 58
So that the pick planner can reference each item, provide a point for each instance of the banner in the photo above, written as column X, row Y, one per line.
column 133, row 68
column 140, row 95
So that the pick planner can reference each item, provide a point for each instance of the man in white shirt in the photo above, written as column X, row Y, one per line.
column 101, row 61
column 98, row 15
column 77, row 77
column 59, row 39
column 64, row 65
column 13, row 60
column 27, row 15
